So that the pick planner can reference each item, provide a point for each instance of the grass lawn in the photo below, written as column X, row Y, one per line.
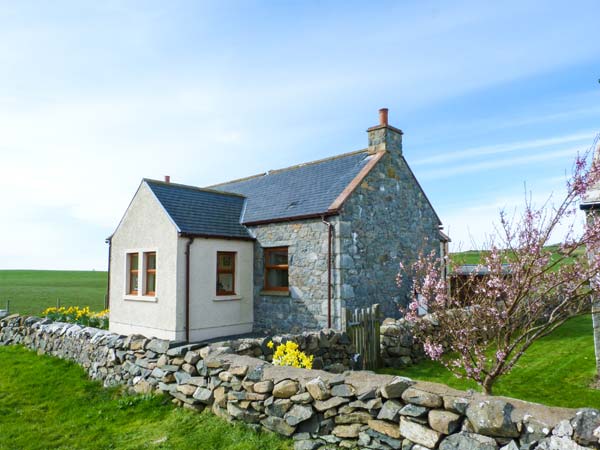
column 49, row 403
column 32, row 291
column 556, row 370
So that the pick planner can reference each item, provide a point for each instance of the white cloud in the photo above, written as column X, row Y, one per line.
column 499, row 163
column 582, row 137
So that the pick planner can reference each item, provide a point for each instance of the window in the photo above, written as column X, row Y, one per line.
column 225, row 273
column 276, row 269
column 150, row 263
column 141, row 274
column 133, row 263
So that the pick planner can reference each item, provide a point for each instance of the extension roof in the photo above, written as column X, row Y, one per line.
column 201, row 212
column 304, row 190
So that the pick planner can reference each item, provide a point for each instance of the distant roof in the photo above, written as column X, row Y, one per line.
column 478, row 269
column 591, row 199
column 201, row 212
column 302, row 190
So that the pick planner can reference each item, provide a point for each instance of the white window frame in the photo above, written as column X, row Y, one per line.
column 141, row 295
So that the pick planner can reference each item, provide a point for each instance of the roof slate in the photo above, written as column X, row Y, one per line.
column 303, row 190
column 201, row 212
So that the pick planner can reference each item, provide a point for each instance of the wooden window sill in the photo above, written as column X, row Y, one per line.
column 275, row 293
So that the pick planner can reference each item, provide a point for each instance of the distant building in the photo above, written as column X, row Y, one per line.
column 461, row 286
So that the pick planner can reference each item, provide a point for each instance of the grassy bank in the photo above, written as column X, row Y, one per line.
column 32, row 291
column 49, row 403
column 557, row 370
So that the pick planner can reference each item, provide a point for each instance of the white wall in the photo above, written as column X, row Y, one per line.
column 145, row 227
column 212, row 315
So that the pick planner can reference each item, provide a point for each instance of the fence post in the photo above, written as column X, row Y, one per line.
column 377, row 340
column 58, row 303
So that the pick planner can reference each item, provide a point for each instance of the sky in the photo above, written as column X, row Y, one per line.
column 495, row 100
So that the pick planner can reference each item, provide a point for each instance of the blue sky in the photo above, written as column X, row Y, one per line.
column 95, row 96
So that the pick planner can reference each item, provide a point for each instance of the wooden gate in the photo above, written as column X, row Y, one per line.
column 362, row 326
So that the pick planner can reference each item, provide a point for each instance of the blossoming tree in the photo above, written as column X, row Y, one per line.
column 480, row 328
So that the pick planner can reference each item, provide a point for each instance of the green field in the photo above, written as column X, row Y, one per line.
column 556, row 370
column 476, row 256
column 32, row 291
column 46, row 403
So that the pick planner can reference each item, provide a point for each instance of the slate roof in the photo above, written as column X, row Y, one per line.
column 201, row 212
column 303, row 190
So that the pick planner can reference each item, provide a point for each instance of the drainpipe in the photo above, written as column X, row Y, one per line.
column 187, row 288
column 329, row 239
column 107, row 302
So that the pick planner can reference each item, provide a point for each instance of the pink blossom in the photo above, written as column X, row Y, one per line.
column 524, row 291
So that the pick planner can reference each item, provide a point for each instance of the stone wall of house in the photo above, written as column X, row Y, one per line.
column 320, row 410
column 386, row 220
column 305, row 307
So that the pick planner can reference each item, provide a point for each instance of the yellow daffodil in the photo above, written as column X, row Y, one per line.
column 288, row 354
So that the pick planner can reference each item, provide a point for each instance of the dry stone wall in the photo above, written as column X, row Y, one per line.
column 318, row 409
column 398, row 346
column 333, row 350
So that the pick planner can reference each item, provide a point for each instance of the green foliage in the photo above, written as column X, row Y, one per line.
column 49, row 403
column 556, row 370
column 32, row 291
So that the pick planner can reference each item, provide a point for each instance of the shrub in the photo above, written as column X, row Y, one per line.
column 288, row 354
column 75, row 314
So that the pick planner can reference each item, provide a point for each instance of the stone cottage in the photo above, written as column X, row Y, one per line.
column 282, row 251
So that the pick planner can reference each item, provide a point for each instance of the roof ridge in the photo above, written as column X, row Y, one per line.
column 193, row 188
column 237, row 180
column 295, row 166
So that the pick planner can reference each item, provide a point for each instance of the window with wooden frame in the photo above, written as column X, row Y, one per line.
column 150, row 275
column 133, row 262
column 226, row 273
column 276, row 269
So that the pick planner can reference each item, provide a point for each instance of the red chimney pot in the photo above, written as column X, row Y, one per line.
column 383, row 116
column 167, row 178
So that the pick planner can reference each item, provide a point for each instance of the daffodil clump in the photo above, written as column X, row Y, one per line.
column 75, row 314
column 288, row 354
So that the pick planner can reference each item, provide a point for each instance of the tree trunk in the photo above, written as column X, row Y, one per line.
column 596, row 326
column 486, row 386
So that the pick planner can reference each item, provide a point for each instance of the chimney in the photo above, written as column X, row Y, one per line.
column 167, row 178
column 383, row 116
column 384, row 137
